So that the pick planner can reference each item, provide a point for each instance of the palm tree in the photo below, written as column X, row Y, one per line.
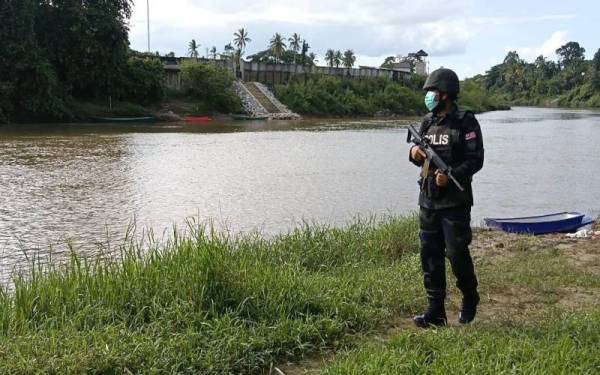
column 193, row 49
column 213, row 52
column 349, row 59
column 228, row 50
column 241, row 39
column 277, row 46
column 337, row 58
column 305, row 48
column 330, row 57
column 312, row 59
column 295, row 44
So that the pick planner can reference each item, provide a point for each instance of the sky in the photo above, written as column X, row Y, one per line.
column 468, row 36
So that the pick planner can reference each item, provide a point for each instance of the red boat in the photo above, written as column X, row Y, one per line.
column 197, row 119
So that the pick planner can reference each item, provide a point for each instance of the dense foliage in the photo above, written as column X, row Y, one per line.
column 336, row 96
column 143, row 81
column 570, row 81
column 210, row 84
column 56, row 51
column 328, row 95
column 28, row 83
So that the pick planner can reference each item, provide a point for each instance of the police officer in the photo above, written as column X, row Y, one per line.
column 445, row 210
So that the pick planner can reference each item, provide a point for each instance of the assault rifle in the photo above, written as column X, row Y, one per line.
column 432, row 156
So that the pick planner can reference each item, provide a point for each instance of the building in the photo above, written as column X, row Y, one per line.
column 415, row 62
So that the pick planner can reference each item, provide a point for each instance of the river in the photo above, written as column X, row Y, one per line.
column 86, row 183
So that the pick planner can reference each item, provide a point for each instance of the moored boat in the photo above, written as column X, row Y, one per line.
column 125, row 119
column 197, row 119
column 237, row 116
column 561, row 222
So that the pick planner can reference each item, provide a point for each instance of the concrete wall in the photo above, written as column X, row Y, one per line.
column 271, row 74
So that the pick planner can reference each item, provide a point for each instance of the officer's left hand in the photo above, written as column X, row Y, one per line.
column 441, row 179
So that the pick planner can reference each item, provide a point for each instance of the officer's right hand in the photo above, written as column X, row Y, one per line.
column 417, row 154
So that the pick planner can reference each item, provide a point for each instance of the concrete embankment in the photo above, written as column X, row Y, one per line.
column 259, row 102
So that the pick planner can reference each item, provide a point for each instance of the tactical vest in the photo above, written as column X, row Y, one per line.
column 445, row 139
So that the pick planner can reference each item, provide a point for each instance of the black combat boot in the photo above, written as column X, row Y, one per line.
column 434, row 316
column 469, row 308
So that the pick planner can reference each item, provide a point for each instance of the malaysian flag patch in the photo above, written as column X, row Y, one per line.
column 470, row 136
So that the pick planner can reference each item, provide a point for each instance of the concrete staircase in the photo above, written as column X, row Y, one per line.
column 261, row 98
column 260, row 102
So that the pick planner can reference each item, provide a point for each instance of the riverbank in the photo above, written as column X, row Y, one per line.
column 317, row 97
column 208, row 303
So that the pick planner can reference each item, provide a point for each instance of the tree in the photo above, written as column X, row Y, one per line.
column 312, row 59
column 193, row 49
column 228, row 50
column 337, row 58
column 277, row 46
column 210, row 84
column 295, row 44
column 512, row 57
column 86, row 42
column 349, row 59
column 570, row 54
column 330, row 57
column 596, row 70
column 493, row 77
column 241, row 39
column 388, row 62
column 144, row 79
column 305, row 48
column 596, row 61
column 545, row 69
column 29, row 86
column 213, row 52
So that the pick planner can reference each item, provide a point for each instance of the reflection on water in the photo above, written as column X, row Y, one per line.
column 85, row 183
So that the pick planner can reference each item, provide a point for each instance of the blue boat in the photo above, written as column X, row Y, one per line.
column 562, row 222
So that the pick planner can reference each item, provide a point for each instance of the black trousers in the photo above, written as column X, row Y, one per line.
column 446, row 233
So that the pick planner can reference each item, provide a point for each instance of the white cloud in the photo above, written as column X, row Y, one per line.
column 376, row 27
column 500, row 21
column 547, row 48
column 372, row 28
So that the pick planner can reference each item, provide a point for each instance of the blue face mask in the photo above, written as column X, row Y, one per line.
column 431, row 100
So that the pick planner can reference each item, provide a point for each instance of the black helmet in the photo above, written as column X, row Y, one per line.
column 444, row 80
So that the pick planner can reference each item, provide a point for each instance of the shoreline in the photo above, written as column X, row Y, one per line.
column 170, row 118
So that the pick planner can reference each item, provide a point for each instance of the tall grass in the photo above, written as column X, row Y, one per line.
column 209, row 302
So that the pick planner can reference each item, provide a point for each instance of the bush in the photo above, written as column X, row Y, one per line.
column 328, row 95
column 475, row 97
column 144, row 80
column 210, row 84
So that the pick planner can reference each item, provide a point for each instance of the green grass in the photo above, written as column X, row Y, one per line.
column 211, row 303
column 87, row 110
column 559, row 343
column 218, row 304
column 538, row 316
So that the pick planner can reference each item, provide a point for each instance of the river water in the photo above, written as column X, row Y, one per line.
column 86, row 183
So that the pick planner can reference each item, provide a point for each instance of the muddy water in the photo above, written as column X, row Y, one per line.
column 84, row 184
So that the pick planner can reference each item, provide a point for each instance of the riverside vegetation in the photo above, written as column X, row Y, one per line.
column 338, row 96
column 212, row 303
column 572, row 81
